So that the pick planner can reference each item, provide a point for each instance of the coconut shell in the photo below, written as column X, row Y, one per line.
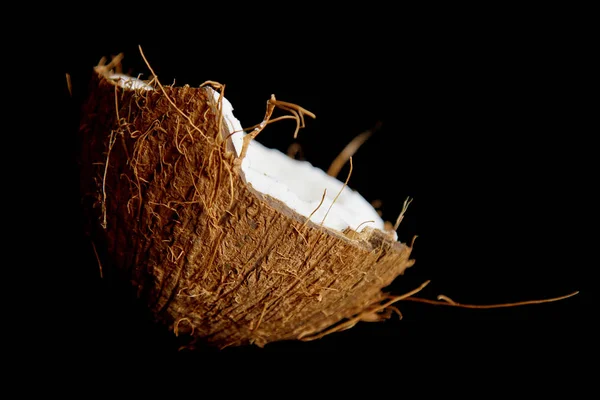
column 212, row 258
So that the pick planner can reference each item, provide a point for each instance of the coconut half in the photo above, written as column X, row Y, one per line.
column 227, row 247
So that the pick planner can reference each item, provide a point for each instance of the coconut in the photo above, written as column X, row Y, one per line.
column 223, row 239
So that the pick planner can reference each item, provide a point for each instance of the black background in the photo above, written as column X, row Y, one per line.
column 478, row 126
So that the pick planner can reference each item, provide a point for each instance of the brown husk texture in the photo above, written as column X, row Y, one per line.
column 211, row 257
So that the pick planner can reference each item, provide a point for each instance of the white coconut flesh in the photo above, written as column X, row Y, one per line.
column 298, row 184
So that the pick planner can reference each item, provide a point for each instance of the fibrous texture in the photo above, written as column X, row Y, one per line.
column 211, row 256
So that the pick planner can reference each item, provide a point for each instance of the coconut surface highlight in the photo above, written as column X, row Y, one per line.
column 296, row 183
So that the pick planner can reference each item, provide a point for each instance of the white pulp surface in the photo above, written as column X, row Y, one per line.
column 298, row 184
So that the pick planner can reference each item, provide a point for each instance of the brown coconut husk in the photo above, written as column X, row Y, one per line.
column 209, row 255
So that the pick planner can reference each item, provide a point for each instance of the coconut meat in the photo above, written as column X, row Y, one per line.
column 296, row 183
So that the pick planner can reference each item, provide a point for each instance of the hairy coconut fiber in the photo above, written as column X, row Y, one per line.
column 211, row 257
